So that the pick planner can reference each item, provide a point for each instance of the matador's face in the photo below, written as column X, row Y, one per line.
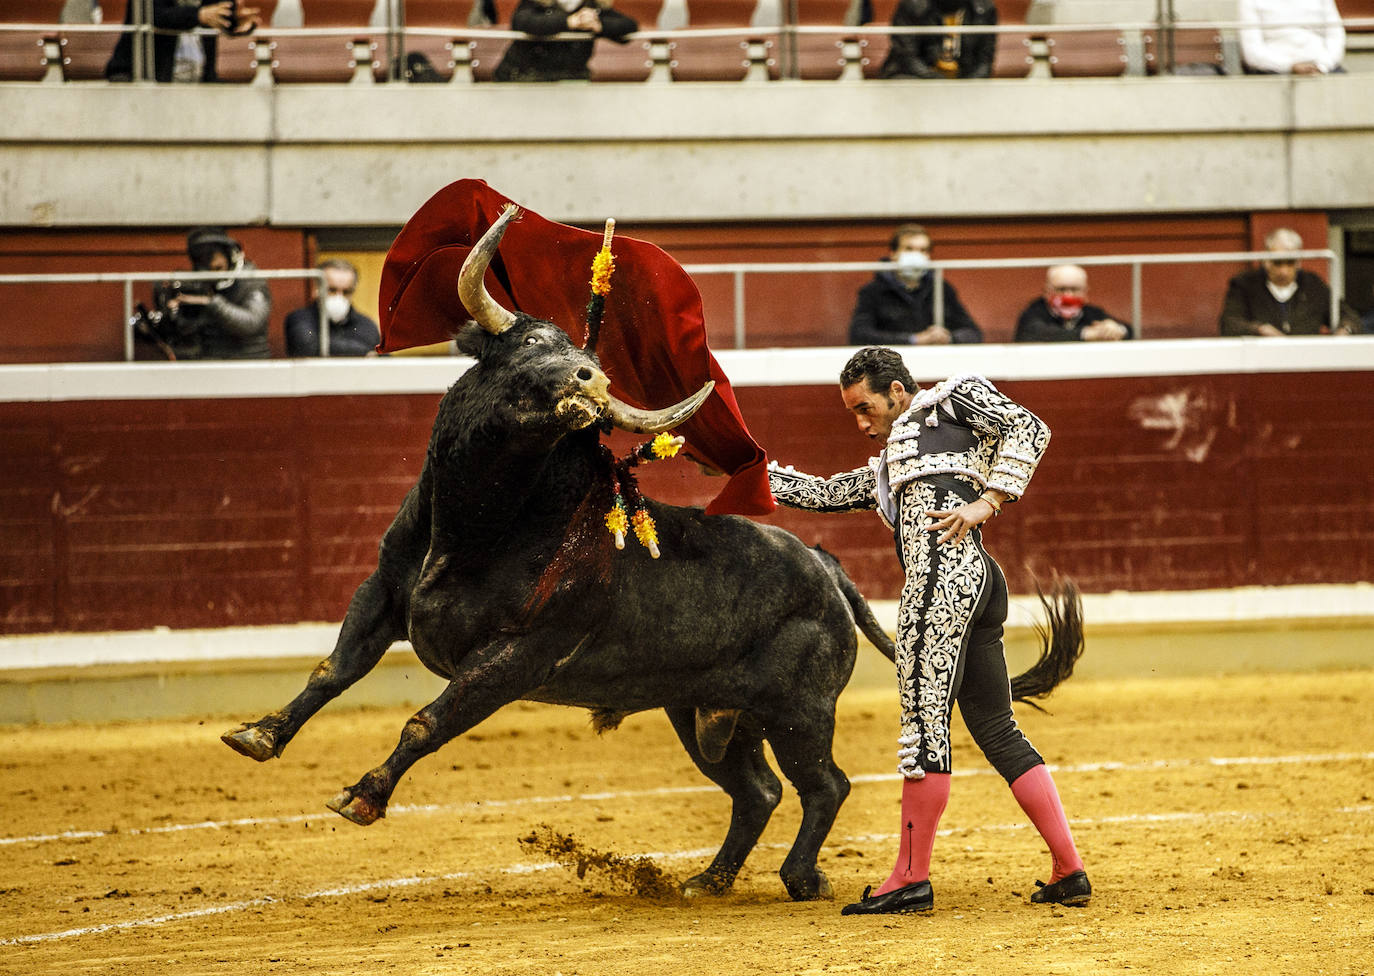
column 876, row 411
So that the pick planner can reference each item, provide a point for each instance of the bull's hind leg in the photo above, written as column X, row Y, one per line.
column 370, row 627
column 803, row 751
column 754, row 790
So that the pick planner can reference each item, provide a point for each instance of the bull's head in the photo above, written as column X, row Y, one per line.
column 540, row 349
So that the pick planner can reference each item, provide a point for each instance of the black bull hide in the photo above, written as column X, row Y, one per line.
column 499, row 570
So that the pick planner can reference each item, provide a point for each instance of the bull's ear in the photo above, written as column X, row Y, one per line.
column 471, row 340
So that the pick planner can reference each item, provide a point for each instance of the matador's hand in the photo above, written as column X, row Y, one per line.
column 957, row 523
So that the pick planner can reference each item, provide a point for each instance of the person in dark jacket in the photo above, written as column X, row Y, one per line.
column 942, row 55
column 1280, row 298
column 1062, row 314
column 560, row 60
column 897, row 308
column 351, row 333
column 225, row 319
column 181, row 56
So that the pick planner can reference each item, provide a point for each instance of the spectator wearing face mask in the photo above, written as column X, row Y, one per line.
column 897, row 308
column 942, row 55
column 351, row 333
column 1062, row 313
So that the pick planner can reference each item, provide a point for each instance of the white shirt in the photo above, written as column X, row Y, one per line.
column 1278, row 48
column 1284, row 293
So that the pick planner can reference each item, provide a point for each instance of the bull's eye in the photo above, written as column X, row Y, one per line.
column 531, row 340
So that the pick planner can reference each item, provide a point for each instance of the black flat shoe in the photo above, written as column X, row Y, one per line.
column 1072, row 889
column 917, row 897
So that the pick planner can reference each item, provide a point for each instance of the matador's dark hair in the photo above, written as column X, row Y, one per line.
column 878, row 366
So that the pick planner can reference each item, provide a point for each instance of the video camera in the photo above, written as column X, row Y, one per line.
column 172, row 327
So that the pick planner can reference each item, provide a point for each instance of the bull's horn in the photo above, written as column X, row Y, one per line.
column 639, row 421
column 487, row 311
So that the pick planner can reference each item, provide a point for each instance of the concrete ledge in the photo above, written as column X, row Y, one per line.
column 1131, row 145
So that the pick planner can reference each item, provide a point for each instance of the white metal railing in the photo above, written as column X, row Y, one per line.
column 739, row 272
column 126, row 279
column 786, row 29
column 1136, row 262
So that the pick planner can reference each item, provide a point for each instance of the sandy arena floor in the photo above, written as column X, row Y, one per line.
column 1228, row 826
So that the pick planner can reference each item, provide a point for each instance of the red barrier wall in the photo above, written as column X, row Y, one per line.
column 202, row 513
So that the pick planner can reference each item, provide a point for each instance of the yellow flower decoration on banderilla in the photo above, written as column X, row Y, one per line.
column 603, row 265
column 618, row 522
column 645, row 531
column 626, row 487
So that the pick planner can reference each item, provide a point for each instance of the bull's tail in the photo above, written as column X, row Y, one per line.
column 1061, row 643
column 863, row 614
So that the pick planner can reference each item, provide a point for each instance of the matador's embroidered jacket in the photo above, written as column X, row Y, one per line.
column 956, row 440
column 962, row 427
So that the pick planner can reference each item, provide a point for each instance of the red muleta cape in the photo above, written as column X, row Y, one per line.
column 652, row 343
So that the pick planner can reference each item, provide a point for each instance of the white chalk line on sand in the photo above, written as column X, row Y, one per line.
column 389, row 884
column 477, row 806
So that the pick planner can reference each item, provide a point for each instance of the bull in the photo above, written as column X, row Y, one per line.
column 499, row 571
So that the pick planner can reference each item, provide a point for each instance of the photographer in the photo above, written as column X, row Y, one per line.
column 224, row 319
column 179, row 53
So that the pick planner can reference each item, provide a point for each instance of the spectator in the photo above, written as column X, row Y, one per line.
column 1063, row 315
column 941, row 56
column 225, row 319
column 351, row 333
column 1367, row 322
column 1298, row 37
column 560, row 60
column 186, row 55
column 897, row 308
column 1280, row 298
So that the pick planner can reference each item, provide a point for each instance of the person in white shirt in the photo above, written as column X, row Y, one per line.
column 1298, row 37
column 1280, row 298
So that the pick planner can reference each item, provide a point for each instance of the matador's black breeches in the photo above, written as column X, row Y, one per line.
column 949, row 641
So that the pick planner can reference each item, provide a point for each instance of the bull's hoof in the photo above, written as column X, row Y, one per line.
column 358, row 809
column 813, row 889
column 251, row 741
column 704, row 884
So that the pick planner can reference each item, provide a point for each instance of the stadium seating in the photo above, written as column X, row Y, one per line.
column 1014, row 58
column 437, row 49
column 719, row 58
column 1195, row 51
column 815, row 57
column 236, row 59
column 1087, row 54
column 632, row 61
column 24, row 53
column 328, row 58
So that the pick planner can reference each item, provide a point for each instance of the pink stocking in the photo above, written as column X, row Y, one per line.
column 923, row 801
column 1035, row 791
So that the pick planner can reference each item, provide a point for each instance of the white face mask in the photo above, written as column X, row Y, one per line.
column 912, row 265
column 336, row 307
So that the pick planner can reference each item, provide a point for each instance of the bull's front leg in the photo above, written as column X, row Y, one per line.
column 490, row 677
column 372, row 625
